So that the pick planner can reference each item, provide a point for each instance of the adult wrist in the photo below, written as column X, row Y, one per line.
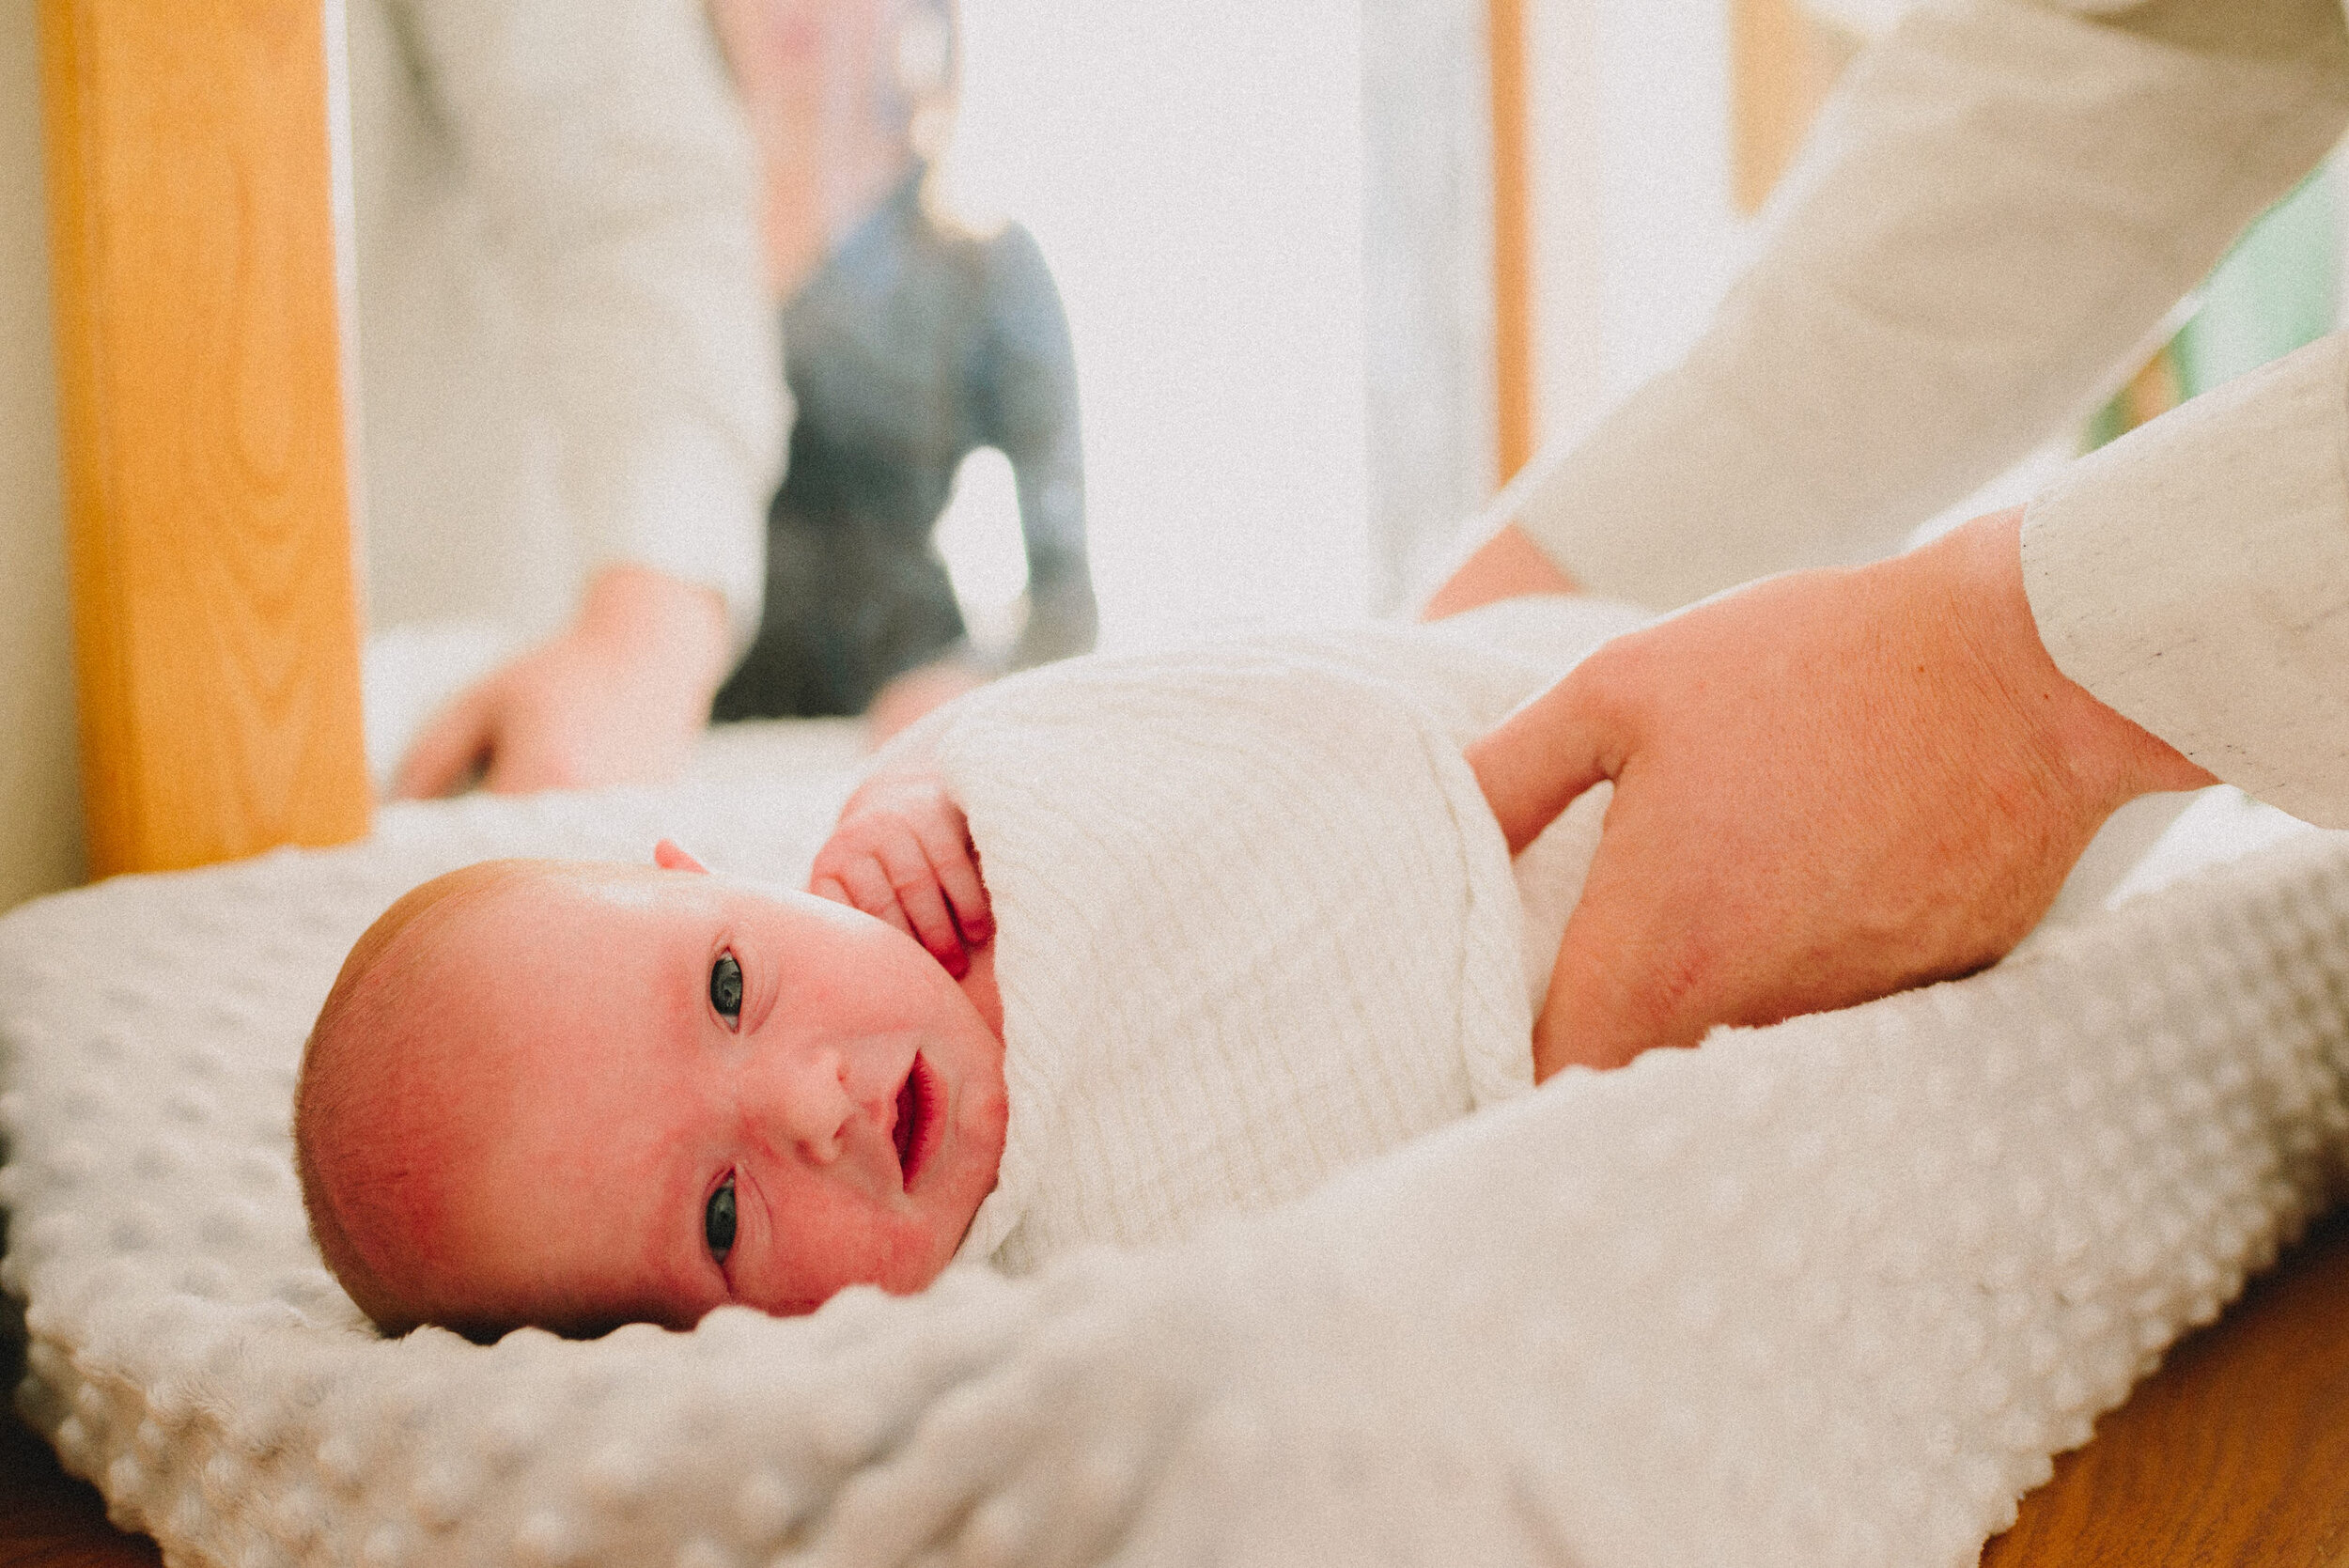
column 650, row 619
column 1509, row 565
column 1974, row 575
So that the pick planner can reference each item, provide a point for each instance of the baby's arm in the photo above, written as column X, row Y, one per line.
column 902, row 851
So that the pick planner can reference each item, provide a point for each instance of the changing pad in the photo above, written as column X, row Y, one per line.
column 1831, row 1291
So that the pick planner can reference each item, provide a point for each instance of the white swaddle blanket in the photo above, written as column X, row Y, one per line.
column 1254, row 920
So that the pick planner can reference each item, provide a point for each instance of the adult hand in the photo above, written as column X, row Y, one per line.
column 1828, row 786
column 617, row 697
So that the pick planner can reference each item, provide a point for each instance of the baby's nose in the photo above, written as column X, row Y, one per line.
column 812, row 1101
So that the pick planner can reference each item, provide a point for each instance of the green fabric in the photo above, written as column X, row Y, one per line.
column 2275, row 291
column 2107, row 423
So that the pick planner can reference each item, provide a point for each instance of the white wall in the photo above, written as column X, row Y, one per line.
column 40, row 836
column 1427, row 267
column 1194, row 173
column 1635, row 237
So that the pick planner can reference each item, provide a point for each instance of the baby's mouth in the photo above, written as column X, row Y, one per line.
column 916, row 1099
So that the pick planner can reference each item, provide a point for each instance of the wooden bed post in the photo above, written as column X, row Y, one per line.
column 198, row 356
column 1513, row 238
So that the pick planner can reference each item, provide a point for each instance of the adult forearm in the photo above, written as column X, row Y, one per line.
column 1971, row 582
column 673, row 629
column 2001, row 203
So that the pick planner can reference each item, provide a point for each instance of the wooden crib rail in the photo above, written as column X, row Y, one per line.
column 200, row 404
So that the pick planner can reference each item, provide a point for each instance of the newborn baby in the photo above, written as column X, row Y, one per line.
column 579, row 1095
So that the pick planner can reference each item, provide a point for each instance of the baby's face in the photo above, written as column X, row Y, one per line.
column 692, row 1092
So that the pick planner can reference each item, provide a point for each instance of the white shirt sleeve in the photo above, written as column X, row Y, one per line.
column 2000, row 204
column 614, row 170
column 2194, row 575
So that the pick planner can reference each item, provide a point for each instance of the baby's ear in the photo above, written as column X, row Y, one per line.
column 670, row 856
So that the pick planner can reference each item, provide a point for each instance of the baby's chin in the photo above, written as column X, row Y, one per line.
column 986, row 1120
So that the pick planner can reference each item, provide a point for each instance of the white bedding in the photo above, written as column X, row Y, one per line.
column 1829, row 1293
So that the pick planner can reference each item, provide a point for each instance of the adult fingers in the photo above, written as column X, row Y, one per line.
column 451, row 746
column 1535, row 762
column 1629, row 966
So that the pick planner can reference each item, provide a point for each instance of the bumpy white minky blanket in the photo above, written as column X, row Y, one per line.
column 1829, row 1293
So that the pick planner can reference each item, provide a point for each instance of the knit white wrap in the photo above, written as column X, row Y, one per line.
column 1254, row 924
column 1829, row 1293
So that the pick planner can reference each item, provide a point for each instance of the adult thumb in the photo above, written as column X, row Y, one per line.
column 1533, row 763
column 1621, row 979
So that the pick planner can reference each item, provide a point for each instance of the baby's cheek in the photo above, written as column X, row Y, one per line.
column 905, row 1251
column 424, row 1231
column 825, row 1238
column 919, row 1253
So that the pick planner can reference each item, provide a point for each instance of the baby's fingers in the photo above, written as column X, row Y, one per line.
column 862, row 885
column 916, row 887
column 947, row 843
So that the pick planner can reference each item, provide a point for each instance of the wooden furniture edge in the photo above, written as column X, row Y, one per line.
column 1514, row 326
column 201, row 422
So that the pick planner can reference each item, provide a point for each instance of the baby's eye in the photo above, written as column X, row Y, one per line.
column 725, row 989
column 718, row 1220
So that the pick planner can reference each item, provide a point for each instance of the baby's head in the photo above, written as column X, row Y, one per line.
column 577, row 1096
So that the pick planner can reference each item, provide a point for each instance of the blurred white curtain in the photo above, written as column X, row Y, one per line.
column 1194, row 175
column 1635, row 235
column 1428, row 261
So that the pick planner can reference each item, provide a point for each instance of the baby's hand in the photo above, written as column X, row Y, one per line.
column 902, row 851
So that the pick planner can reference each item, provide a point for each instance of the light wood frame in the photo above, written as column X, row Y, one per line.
column 1517, row 428
column 200, row 404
